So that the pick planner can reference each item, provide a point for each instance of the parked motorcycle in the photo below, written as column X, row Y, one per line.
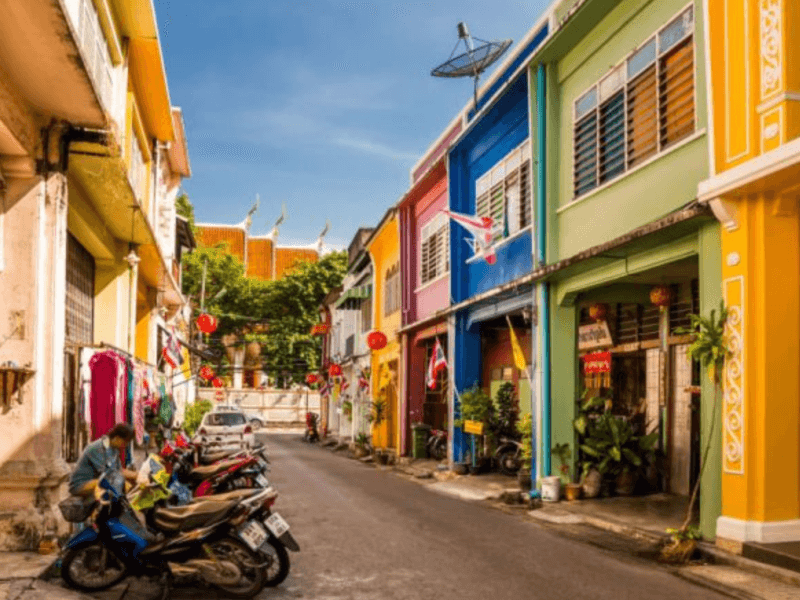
column 437, row 444
column 217, row 543
column 508, row 456
column 311, row 434
column 240, row 472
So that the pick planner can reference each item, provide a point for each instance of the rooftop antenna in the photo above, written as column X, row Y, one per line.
column 322, row 235
column 474, row 61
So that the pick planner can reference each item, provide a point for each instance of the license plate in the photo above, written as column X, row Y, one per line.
column 253, row 534
column 276, row 525
column 262, row 481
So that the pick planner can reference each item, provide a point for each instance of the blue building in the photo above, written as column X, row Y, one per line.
column 491, row 174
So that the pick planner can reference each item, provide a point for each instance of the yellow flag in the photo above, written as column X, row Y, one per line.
column 519, row 356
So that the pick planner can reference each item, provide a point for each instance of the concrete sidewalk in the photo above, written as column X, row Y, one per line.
column 20, row 578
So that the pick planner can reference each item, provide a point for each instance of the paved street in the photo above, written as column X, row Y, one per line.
column 365, row 533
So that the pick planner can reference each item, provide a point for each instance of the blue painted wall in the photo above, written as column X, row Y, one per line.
column 501, row 130
column 466, row 372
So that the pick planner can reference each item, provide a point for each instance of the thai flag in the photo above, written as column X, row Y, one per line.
column 436, row 364
column 326, row 389
column 481, row 229
column 363, row 383
column 344, row 385
column 172, row 350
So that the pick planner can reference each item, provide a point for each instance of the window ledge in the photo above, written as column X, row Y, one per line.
column 501, row 243
column 431, row 282
column 696, row 135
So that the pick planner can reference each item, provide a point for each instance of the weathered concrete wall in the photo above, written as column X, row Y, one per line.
column 279, row 408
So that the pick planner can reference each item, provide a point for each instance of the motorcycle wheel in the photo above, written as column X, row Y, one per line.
column 81, row 568
column 278, row 567
column 507, row 461
column 249, row 563
column 439, row 449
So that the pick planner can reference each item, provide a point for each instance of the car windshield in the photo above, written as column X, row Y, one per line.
column 227, row 419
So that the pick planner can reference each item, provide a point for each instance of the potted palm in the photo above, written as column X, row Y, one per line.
column 476, row 405
column 526, row 437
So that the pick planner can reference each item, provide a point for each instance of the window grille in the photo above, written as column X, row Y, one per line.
column 80, row 293
column 391, row 291
column 645, row 105
column 137, row 170
column 366, row 315
column 504, row 193
column 434, row 251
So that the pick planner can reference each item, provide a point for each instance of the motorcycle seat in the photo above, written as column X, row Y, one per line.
column 207, row 471
column 191, row 516
column 212, row 457
column 235, row 495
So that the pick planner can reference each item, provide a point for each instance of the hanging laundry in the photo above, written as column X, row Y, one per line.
column 107, row 369
column 138, row 405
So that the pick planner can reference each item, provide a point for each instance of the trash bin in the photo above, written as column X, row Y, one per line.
column 421, row 435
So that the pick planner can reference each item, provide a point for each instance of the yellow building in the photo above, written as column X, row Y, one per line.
column 384, row 250
column 754, row 103
column 91, row 158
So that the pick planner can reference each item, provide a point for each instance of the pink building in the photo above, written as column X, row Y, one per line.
column 425, row 268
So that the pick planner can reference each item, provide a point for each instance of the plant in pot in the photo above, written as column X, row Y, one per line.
column 620, row 450
column 710, row 348
column 361, row 445
column 572, row 490
column 526, row 439
column 590, row 407
column 476, row 405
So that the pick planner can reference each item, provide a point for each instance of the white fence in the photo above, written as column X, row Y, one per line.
column 278, row 408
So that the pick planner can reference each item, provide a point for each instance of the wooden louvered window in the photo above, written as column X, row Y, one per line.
column 80, row 293
column 645, row 105
column 434, row 250
column 391, row 291
column 504, row 193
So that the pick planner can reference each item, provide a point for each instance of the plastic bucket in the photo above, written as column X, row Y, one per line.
column 551, row 489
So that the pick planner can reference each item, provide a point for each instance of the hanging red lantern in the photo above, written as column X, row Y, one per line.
column 207, row 323
column 312, row 378
column 660, row 296
column 335, row 370
column 598, row 311
column 207, row 373
column 321, row 329
column 217, row 382
column 377, row 340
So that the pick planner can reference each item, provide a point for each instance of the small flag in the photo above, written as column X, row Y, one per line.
column 325, row 390
column 172, row 350
column 363, row 383
column 482, row 230
column 345, row 384
column 436, row 364
column 519, row 356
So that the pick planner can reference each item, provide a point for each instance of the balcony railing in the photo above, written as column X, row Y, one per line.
column 95, row 52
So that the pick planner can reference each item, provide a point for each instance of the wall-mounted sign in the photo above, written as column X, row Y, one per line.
column 596, row 335
column 599, row 362
column 475, row 427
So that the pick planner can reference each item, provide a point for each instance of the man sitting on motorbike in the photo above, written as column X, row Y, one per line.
column 98, row 457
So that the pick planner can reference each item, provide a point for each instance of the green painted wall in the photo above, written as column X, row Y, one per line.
column 710, row 295
column 639, row 196
column 564, row 374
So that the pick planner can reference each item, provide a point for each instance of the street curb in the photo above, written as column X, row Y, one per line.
column 714, row 586
column 751, row 566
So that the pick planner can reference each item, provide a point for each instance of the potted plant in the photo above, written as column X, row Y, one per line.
column 564, row 453
column 361, row 446
column 476, row 405
column 526, row 439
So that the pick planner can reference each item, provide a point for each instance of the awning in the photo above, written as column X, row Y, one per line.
column 351, row 299
column 501, row 306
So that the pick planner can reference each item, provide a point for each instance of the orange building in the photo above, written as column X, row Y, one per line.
column 262, row 256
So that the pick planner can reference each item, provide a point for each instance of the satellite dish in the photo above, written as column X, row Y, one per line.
column 474, row 61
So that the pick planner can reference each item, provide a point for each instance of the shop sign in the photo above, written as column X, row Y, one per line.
column 599, row 362
column 596, row 335
column 475, row 427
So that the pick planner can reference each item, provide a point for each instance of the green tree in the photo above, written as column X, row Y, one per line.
column 185, row 208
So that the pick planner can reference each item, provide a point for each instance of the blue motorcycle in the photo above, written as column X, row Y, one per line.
column 216, row 542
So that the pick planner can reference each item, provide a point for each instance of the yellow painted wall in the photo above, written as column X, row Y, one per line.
column 384, row 249
column 755, row 78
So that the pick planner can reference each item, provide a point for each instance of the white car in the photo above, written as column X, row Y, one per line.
column 225, row 430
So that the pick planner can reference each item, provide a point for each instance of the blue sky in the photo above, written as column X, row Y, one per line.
column 323, row 105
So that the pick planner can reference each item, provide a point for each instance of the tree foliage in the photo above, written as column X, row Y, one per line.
column 184, row 208
column 289, row 307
